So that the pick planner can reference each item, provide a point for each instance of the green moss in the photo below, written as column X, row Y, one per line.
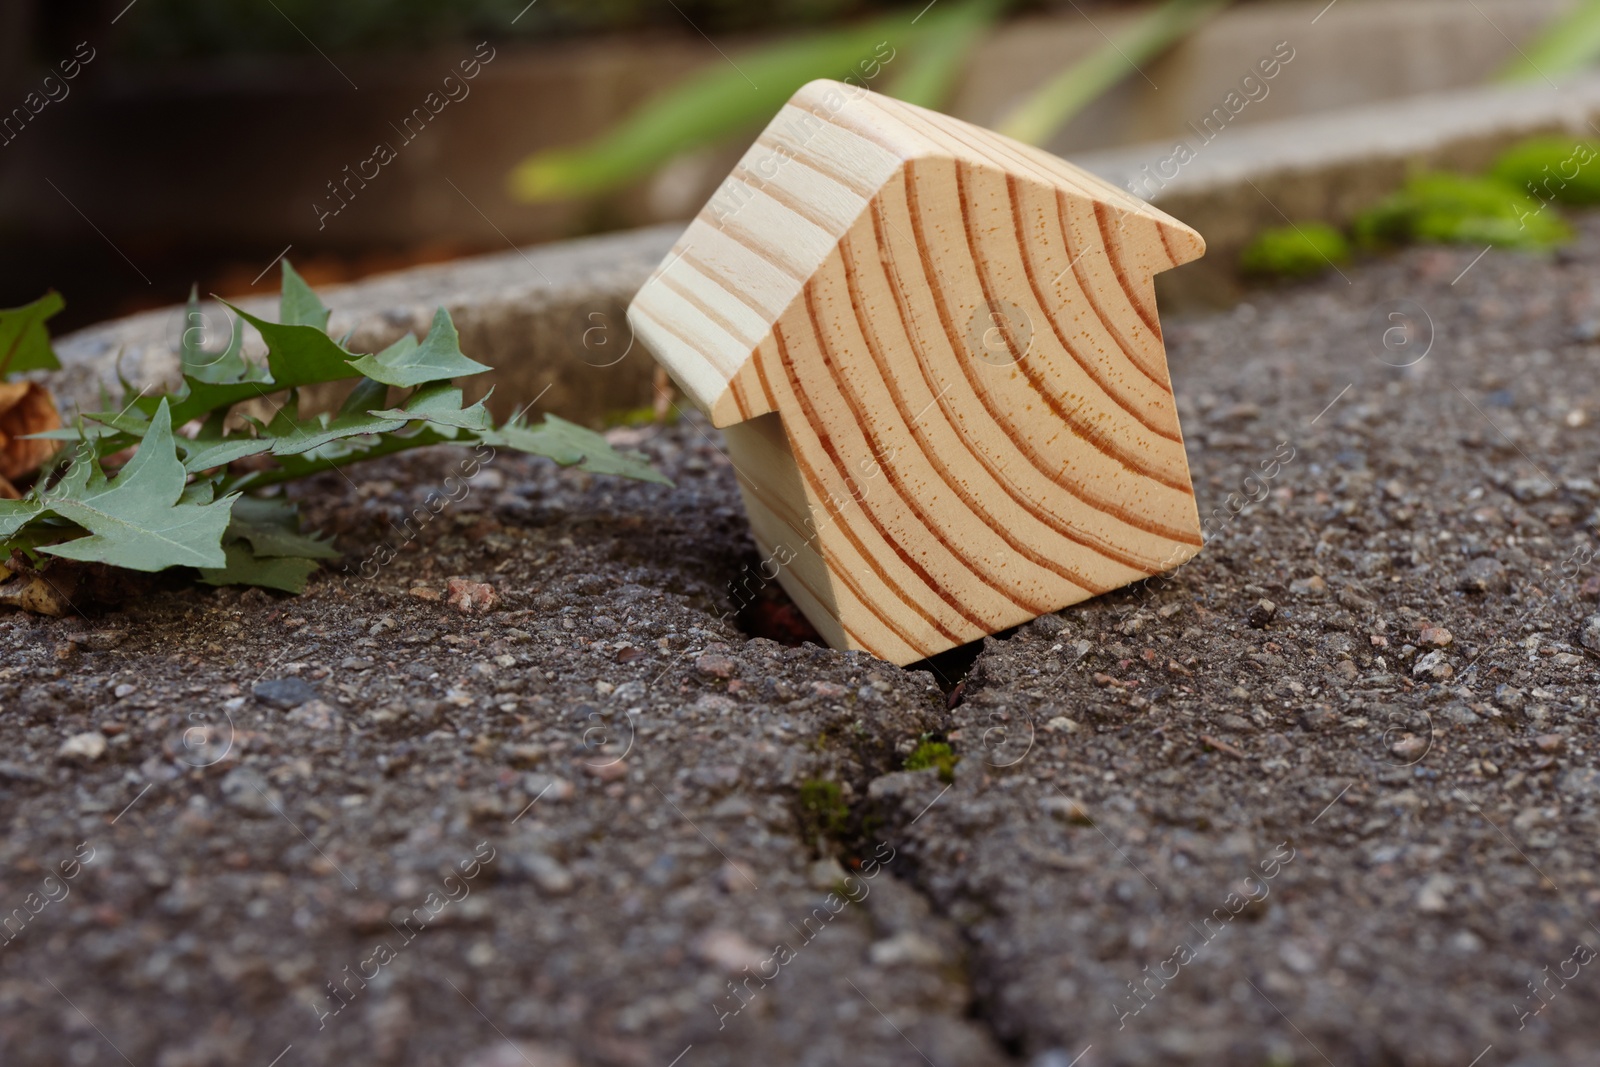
column 1295, row 251
column 636, row 417
column 1457, row 209
column 933, row 754
column 822, row 808
column 1563, row 169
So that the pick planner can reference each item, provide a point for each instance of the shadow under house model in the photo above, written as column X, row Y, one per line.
column 935, row 355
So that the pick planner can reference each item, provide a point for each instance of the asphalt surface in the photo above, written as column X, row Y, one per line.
column 1327, row 794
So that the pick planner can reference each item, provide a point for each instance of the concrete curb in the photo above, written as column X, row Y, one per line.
column 551, row 316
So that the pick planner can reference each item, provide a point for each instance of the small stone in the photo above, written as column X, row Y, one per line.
column 1062, row 725
column 1532, row 488
column 828, row 690
column 1580, row 782
column 1484, row 575
column 519, row 1054
column 553, row 879
column 248, row 791
column 469, row 597
column 1433, row 897
column 124, row 690
column 1552, row 743
column 284, row 693
column 1313, row 587
column 1435, row 636
column 547, row 788
column 1589, row 633
column 715, row 665
column 1410, row 748
column 1067, row 809
column 1587, row 332
column 715, row 704
column 1433, row 666
column 522, row 755
column 1262, row 613
column 82, row 748
column 314, row 714
column 906, row 947
column 826, row 873
column 727, row 950
column 1509, row 697
column 613, row 771
column 422, row 592
column 732, row 877
column 1461, row 715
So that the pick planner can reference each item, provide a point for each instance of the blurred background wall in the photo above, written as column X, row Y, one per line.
column 202, row 137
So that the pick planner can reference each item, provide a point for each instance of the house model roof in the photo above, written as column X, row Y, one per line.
column 936, row 356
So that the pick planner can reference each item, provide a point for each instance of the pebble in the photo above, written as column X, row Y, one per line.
column 1509, row 697
column 826, row 873
column 284, row 693
column 469, row 597
column 247, row 790
column 1433, row 897
column 1262, row 613
column 1484, row 575
column 715, row 665
column 1527, row 490
column 1589, row 633
column 612, row 771
column 82, row 748
column 1436, row 636
column 1552, row 743
column 1433, row 666
column 519, row 1054
column 525, row 755
column 548, row 788
column 906, row 947
column 1067, row 809
column 727, row 950
column 1410, row 747
column 553, row 879
column 314, row 714
column 732, row 877
column 1313, row 587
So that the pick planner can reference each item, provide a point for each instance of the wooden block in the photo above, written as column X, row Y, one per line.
column 935, row 355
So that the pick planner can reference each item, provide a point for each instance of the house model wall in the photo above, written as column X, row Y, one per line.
column 935, row 355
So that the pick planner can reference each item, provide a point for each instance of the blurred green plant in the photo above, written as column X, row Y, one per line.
column 934, row 755
column 719, row 102
column 1459, row 208
column 1298, row 251
column 1558, row 168
column 1058, row 100
column 727, row 97
column 1491, row 209
column 823, row 811
column 1566, row 46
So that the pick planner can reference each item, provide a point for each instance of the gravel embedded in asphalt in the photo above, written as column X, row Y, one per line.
column 1327, row 792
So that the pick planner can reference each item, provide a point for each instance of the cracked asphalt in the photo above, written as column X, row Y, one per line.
column 1327, row 794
